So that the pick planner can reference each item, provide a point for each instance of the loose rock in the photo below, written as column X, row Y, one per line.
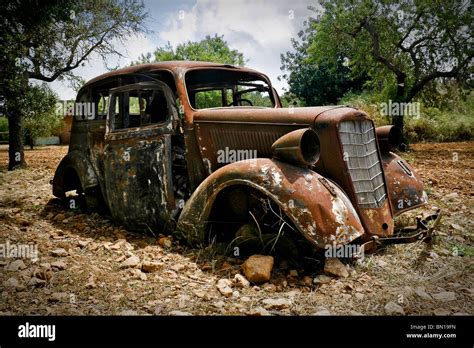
column 322, row 312
column 392, row 308
column 441, row 312
column 269, row 287
column 240, row 281
column 276, row 303
column 293, row 273
column 58, row 265
column 335, row 267
column 59, row 252
column 131, row 262
column 60, row 217
column 82, row 243
column 225, row 287
column 444, row 296
column 59, row 297
column 165, row 242
column 322, row 279
column 258, row 268
column 11, row 283
column 452, row 195
column 307, row 281
column 259, row 311
column 15, row 266
column 422, row 294
column 36, row 282
column 179, row 313
column 151, row 266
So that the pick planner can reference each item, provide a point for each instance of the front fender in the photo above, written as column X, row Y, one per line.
column 319, row 209
column 405, row 187
column 76, row 161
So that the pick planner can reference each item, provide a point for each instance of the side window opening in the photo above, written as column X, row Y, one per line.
column 156, row 110
column 138, row 108
column 78, row 111
column 102, row 106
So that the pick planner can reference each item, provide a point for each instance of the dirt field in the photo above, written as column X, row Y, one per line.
column 79, row 268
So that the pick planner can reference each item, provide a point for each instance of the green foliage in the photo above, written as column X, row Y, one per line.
column 288, row 98
column 213, row 98
column 3, row 124
column 208, row 99
column 436, row 125
column 211, row 49
column 401, row 45
column 48, row 40
column 3, row 128
column 39, row 112
column 318, row 82
column 258, row 98
column 453, row 123
column 368, row 102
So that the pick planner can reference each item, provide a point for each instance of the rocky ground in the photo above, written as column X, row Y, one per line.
column 88, row 265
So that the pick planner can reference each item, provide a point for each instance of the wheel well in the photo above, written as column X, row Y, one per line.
column 71, row 181
column 240, row 213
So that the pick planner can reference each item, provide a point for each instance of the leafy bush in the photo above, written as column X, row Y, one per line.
column 39, row 112
column 455, row 123
column 3, row 124
column 3, row 128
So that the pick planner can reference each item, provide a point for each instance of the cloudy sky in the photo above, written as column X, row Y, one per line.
column 260, row 29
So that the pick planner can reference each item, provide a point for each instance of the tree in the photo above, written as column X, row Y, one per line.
column 316, row 83
column 211, row 49
column 47, row 41
column 39, row 112
column 403, row 45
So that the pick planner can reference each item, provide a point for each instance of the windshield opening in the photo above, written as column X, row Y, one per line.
column 215, row 88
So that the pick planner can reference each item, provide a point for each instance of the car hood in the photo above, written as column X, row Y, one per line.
column 296, row 115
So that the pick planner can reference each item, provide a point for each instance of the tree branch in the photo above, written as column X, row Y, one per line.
column 400, row 43
column 436, row 74
column 401, row 76
column 36, row 74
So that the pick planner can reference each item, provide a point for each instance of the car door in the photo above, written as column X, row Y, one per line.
column 137, row 155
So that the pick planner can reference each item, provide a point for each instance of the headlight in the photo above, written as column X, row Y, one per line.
column 300, row 147
column 389, row 137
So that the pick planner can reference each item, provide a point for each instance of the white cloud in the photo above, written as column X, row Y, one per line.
column 261, row 30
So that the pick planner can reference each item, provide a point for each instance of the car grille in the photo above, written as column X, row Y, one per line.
column 362, row 159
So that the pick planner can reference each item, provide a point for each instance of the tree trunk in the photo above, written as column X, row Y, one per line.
column 16, row 153
column 398, row 120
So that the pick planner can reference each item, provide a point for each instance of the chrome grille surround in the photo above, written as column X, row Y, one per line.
column 362, row 160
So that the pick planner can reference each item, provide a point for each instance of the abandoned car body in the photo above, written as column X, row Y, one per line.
column 205, row 148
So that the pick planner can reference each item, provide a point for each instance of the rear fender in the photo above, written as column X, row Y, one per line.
column 319, row 209
column 83, row 168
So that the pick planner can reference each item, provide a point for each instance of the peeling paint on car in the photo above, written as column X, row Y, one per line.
column 144, row 173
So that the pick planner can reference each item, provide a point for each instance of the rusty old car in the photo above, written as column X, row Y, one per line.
column 206, row 150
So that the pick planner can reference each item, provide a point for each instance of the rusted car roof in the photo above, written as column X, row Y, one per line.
column 170, row 65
